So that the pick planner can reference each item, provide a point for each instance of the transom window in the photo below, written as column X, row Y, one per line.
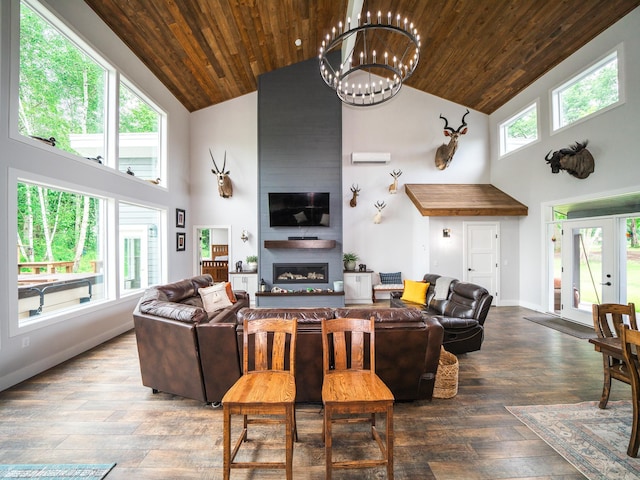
column 519, row 130
column 592, row 90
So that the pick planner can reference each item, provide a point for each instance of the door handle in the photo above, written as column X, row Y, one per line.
column 470, row 269
column 608, row 284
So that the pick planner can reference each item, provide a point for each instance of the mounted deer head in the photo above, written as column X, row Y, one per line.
column 445, row 152
column 378, row 216
column 225, row 188
column 355, row 190
column 393, row 188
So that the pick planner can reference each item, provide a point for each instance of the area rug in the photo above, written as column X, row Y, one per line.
column 565, row 326
column 593, row 440
column 56, row 472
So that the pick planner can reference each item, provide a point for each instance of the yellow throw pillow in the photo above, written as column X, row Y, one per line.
column 415, row 292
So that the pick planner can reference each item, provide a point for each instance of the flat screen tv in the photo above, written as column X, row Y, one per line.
column 300, row 209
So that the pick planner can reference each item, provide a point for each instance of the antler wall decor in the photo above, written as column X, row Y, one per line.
column 445, row 152
column 225, row 188
column 355, row 190
column 576, row 160
column 393, row 188
column 378, row 216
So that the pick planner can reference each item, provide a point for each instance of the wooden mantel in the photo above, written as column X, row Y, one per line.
column 462, row 200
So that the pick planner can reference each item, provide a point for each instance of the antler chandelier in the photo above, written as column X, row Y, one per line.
column 367, row 61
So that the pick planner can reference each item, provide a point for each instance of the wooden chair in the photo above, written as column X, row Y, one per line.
column 267, row 389
column 608, row 319
column 350, row 389
column 630, row 348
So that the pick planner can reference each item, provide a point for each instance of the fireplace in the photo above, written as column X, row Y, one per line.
column 300, row 273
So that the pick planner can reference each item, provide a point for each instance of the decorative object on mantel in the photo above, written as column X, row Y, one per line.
column 445, row 152
column 244, row 236
column 377, row 218
column 576, row 160
column 349, row 260
column 252, row 264
column 225, row 188
column 393, row 188
column 355, row 190
column 389, row 56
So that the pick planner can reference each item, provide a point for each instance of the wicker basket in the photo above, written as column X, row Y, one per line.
column 446, row 385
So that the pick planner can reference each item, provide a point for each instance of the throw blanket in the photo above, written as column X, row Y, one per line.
column 442, row 287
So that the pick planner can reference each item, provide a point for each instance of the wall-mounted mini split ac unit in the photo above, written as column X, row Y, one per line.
column 370, row 157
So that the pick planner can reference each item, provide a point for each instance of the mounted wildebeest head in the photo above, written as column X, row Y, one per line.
column 445, row 152
column 576, row 160
column 225, row 188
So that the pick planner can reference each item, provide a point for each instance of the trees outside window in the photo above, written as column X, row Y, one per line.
column 589, row 92
column 519, row 130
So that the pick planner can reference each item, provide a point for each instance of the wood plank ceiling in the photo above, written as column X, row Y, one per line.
column 478, row 53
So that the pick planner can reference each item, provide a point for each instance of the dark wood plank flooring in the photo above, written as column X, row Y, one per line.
column 94, row 409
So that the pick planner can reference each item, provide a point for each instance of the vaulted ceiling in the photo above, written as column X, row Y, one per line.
column 478, row 53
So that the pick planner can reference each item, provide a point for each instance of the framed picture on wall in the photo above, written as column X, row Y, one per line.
column 180, row 218
column 181, row 240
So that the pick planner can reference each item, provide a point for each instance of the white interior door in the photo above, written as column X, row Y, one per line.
column 482, row 256
column 589, row 273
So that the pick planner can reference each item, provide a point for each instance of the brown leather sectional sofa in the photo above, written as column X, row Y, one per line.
column 462, row 312
column 181, row 349
column 185, row 352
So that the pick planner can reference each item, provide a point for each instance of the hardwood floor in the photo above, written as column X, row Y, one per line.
column 94, row 409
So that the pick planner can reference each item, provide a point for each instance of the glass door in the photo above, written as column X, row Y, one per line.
column 589, row 273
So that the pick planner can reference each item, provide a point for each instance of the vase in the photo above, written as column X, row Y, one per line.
column 350, row 265
column 250, row 267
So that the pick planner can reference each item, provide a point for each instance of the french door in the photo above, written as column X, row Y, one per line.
column 589, row 273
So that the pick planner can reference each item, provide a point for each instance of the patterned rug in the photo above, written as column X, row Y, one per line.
column 593, row 440
column 56, row 472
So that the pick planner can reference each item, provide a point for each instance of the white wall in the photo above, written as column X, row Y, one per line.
column 410, row 129
column 232, row 127
column 55, row 343
column 525, row 174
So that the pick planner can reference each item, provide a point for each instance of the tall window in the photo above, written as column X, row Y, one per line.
column 62, row 88
column 592, row 90
column 139, row 135
column 140, row 248
column 61, row 238
column 519, row 130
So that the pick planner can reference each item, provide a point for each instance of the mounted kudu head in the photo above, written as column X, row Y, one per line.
column 225, row 188
column 445, row 152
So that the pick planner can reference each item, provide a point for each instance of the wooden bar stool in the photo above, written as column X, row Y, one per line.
column 267, row 389
column 630, row 348
column 608, row 319
column 348, row 388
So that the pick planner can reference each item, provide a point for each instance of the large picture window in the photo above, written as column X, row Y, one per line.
column 591, row 91
column 62, row 88
column 60, row 245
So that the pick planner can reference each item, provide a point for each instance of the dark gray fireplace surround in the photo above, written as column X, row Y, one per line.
column 299, row 150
